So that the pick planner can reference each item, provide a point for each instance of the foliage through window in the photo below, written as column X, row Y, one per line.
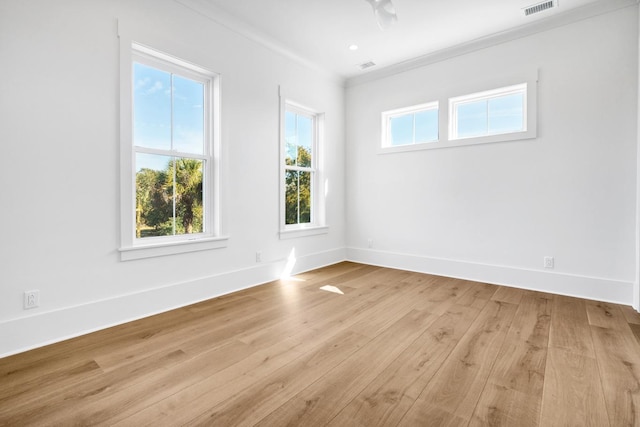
column 300, row 140
column 171, row 148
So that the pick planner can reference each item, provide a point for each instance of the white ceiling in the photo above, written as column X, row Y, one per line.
column 320, row 31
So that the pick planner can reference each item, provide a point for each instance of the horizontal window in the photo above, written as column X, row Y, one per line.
column 507, row 113
column 494, row 112
column 412, row 125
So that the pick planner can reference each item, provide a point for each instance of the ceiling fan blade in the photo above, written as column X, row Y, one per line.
column 385, row 20
column 384, row 11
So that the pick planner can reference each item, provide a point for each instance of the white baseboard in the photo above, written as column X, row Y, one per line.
column 25, row 333
column 593, row 288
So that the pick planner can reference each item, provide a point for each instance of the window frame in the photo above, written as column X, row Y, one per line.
column 317, row 225
column 132, row 247
column 144, row 58
column 387, row 116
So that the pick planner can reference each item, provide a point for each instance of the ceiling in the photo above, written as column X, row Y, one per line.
column 320, row 32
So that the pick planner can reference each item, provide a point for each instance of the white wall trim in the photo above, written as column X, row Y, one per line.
column 240, row 27
column 594, row 288
column 559, row 20
column 40, row 329
column 636, row 286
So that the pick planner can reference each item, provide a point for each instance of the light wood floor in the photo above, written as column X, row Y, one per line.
column 396, row 348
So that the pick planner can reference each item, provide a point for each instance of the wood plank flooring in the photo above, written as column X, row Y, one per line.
column 395, row 348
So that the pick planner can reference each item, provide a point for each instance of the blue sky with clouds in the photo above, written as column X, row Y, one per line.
column 168, row 115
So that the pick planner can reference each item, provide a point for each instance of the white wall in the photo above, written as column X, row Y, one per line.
column 59, row 112
column 492, row 212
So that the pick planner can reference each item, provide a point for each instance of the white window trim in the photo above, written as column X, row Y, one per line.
column 414, row 109
column 318, row 187
column 213, row 238
column 530, row 78
column 309, row 230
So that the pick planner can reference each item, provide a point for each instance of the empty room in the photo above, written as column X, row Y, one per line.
column 320, row 212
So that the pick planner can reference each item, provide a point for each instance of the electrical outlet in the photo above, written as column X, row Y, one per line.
column 258, row 256
column 31, row 299
column 370, row 242
column 548, row 262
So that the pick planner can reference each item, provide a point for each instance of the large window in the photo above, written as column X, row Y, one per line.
column 171, row 153
column 302, row 202
column 169, row 130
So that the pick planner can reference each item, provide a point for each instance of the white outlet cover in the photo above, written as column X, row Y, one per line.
column 31, row 299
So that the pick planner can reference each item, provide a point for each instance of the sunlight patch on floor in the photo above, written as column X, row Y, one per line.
column 331, row 288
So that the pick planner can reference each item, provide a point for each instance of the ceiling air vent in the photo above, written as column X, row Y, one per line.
column 367, row 65
column 537, row 8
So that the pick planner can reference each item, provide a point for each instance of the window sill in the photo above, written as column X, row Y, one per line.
column 303, row 232
column 501, row 137
column 516, row 136
column 409, row 147
column 171, row 248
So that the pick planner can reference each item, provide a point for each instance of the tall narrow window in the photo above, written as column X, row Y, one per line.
column 300, row 139
column 168, row 128
column 171, row 155
column 303, row 187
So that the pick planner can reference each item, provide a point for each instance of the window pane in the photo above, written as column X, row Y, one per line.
column 290, row 138
column 188, row 115
column 472, row 118
column 426, row 126
column 168, row 195
column 304, row 188
column 298, row 139
column 151, row 107
column 506, row 114
column 401, row 130
column 297, row 197
column 291, row 202
column 188, row 195
column 305, row 140
column 154, row 189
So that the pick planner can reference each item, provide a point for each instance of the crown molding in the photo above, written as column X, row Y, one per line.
column 240, row 27
column 575, row 15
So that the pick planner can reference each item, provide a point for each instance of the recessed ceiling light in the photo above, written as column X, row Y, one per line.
column 353, row 47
